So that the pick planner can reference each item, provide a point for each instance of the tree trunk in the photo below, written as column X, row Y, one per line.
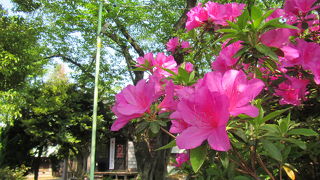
column 65, row 169
column 36, row 164
column 152, row 165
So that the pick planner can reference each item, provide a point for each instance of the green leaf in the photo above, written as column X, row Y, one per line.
column 197, row 157
column 227, row 31
column 233, row 25
column 276, row 24
column 243, row 19
column 272, row 130
column 256, row 15
column 169, row 71
column 269, row 63
column 225, row 37
column 167, row 146
column 240, row 52
column 297, row 142
column 164, row 115
column 284, row 124
column 162, row 123
column 303, row 131
column 258, row 73
column 154, row 127
column 142, row 126
column 191, row 77
column 274, row 114
column 258, row 120
column 257, row 22
column 183, row 74
column 231, row 41
column 139, row 69
column 272, row 150
column 241, row 134
column 266, row 51
column 267, row 14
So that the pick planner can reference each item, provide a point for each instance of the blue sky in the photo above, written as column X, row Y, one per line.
column 6, row 4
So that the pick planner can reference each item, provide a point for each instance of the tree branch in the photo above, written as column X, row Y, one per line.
column 126, row 34
column 264, row 167
column 125, row 51
column 181, row 23
column 70, row 60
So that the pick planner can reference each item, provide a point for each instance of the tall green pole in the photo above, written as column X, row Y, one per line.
column 95, row 99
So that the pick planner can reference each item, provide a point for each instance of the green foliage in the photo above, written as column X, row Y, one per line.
column 19, row 51
column 197, row 157
column 169, row 145
column 13, row 174
column 10, row 103
column 248, row 28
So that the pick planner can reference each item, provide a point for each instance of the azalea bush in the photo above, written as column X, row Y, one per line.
column 243, row 119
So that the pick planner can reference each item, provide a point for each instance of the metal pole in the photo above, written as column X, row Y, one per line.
column 95, row 100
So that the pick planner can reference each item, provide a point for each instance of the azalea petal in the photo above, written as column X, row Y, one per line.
column 192, row 137
column 121, row 122
column 218, row 139
column 213, row 81
column 188, row 115
column 248, row 110
column 128, row 94
column 129, row 109
column 178, row 126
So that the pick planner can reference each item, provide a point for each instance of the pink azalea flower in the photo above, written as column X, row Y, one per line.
column 207, row 114
column 309, row 53
column 237, row 88
column 276, row 37
column 178, row 124
column 172, row 44
column 291, row 56
column 181, row 158
column 225, row 59
column 158, row 81
column 189, row 67
column 234, row 10
column 196, row 17
column 146, row 58
column 132, row 102
column 292, row 91
column 306, row 54
column 278, row 13
column 185, row 92
column 168, row 103
column 185, row 44
column 316, row 72
column 220, row 13
column 298, row 7
column 163, row 61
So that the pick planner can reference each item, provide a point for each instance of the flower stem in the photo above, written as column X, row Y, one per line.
column 264, row 167
column 167, row 132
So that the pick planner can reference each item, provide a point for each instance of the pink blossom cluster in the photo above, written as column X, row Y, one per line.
column 213, row 14
column 200, row 112
column 174, row 43
column 156, row 65
column 203, row 110
column 297, row 13
column 225, row 61
column 181, row 158
column 301, row 55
